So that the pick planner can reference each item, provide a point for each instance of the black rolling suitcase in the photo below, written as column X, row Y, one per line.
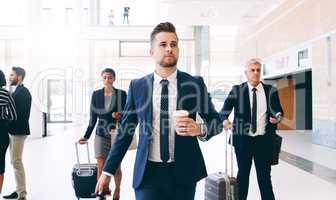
column 221, row 185
column 84, row 177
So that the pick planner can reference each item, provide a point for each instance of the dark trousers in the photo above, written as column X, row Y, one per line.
column 258, row 149
column 4, row 142
column 159, row 183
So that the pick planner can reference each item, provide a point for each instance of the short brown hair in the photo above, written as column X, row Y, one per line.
column 19, row 72
column 162, row 27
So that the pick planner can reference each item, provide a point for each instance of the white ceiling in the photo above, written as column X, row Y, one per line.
column 217, row 12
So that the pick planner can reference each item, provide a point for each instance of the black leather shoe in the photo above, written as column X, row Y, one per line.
column 14, row 195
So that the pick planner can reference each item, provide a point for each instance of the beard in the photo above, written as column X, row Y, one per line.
column 13, row 82
column 172, row 63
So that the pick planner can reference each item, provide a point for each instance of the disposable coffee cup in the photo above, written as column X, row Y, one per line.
column 180, row 113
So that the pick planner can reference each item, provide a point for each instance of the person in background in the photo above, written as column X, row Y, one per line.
column 257, row 111
column 126, row 15
column 19, row 130
column 7, row 114
column 106, row 106
column 111, row 17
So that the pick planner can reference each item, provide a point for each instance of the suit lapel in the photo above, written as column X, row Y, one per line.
column 101, row 99
column 115, row 97
column 179, row 90
column 18, row 88
column 147, row 92
column 267, row 92
column 247, row 105
column 179, row 106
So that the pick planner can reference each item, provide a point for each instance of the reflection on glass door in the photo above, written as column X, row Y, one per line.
column 59, row 101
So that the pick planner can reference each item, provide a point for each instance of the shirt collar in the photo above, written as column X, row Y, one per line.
column 12, row 88
column 259, row 86
column 171, row 78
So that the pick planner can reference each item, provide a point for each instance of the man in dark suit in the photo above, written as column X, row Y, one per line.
column 19, row 130
column 169, row 161
column 257, row 111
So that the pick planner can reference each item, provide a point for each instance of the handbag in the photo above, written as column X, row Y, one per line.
column 276, row 148
column 133, row 145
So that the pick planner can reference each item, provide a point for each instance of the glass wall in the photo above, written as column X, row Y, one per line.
column 11, row 54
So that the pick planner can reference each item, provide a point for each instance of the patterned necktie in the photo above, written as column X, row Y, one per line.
column 164, row 122
column 254, row 111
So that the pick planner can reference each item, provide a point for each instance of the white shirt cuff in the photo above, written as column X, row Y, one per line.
column 107, row 174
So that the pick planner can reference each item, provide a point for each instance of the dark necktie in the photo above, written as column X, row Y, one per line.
column 254, row 111
column 164, row 122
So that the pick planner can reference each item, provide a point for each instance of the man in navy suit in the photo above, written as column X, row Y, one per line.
column 169, row 161
column 19, row 130
column 257, row 111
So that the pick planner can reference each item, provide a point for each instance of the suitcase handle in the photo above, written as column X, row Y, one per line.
column 87, row 150
column 90, row 170
column 226, row 152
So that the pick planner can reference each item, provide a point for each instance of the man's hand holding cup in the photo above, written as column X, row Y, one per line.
column 186, row 126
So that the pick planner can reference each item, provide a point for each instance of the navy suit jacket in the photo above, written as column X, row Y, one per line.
column 104, row 117
column 189, row 162
column 239, row 100
column 22, row 99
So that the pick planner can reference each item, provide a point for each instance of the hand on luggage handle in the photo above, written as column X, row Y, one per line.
column 83, row 140
column 102, row 182
column 101, row 196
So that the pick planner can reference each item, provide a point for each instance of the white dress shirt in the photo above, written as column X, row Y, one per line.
column 154, row 147
column 12, row 89
column 261, row 108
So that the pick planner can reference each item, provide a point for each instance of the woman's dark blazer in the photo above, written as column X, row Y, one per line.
column 98, row 111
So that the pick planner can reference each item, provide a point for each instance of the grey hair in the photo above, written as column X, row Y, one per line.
column 253, row 61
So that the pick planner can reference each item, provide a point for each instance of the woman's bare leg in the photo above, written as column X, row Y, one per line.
column 100, row 163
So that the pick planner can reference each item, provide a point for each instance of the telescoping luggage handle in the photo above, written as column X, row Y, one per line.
column 78, row 162
column 226, row 152
column 88, row 153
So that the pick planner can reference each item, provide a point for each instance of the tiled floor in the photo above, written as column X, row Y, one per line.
column 310, row 167
column 300, row 143
column 49, row 162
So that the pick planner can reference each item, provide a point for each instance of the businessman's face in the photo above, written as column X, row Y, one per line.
column 13, row 78
column 253, row 74
column 165, row 49
column 108, row 79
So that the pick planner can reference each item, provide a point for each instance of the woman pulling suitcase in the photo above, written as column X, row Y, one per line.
column 106, row 107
